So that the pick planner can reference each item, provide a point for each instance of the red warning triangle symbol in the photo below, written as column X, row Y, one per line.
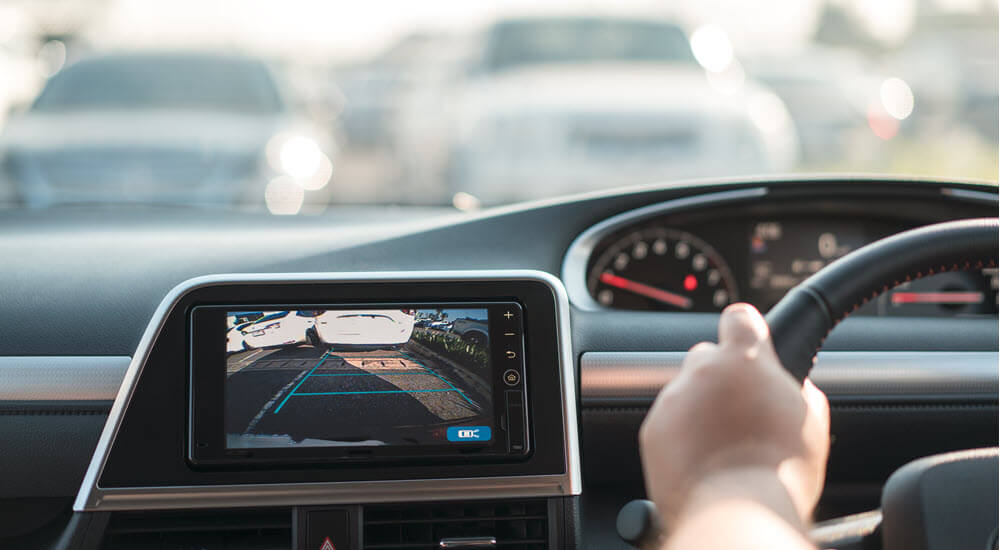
column 327, row 545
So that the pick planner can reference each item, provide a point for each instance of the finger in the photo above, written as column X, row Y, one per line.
column 699, row 350
column 701, row 354
column 816, row 401
column 742, row 325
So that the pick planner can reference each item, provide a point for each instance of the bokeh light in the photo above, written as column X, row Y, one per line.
column 465, row 202
column 712, row 48
column 283, row 196
column 301, row 158
column 319, row 178
column 897, row 98
column 881, row 123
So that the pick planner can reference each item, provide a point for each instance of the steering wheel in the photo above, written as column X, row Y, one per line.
column 801, row 321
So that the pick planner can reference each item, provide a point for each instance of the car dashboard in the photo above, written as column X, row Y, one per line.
column 102, row 401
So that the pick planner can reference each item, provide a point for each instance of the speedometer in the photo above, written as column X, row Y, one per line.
column 661, row 269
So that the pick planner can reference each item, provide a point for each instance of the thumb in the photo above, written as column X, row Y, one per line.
column 742, row 325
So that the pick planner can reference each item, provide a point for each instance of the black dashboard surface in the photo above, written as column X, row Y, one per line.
column 85, row 281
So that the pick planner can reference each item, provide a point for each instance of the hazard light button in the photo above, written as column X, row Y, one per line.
column 328, row 529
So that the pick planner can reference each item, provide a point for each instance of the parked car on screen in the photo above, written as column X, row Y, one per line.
column 473, row 330
column 443, row 326
column 556, row 105
column 184, row 128
column 235, row 341
column 365, row 328
column 278, row 328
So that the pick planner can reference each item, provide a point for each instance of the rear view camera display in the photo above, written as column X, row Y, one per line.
column 358, row 378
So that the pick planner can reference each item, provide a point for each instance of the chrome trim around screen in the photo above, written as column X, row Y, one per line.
column 634, row 378
column 94, row 498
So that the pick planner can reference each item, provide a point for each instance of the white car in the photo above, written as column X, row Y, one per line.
column 370, row 328
column 278, row 328
column 539, row 116
column 443, row 326
column 131, row 127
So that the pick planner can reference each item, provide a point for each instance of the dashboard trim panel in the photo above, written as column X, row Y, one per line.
column 61, row 378
column 93, row 497
column 574, row 268
column 604, row 375
column 634, row 378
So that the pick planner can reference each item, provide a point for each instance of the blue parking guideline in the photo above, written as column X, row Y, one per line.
column 368, row 391
column 285, row 400
column 451, row 387
column 443, row 379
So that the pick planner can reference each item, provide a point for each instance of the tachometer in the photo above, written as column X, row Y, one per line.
column 661, row 269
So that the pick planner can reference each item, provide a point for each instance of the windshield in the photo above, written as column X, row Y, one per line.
column 293, row 108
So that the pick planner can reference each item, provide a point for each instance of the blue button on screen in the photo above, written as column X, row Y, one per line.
column 469, row 433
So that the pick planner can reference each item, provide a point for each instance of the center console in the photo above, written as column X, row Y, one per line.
column 332, row 400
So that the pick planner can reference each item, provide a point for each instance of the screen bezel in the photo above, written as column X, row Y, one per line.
column 206, row 433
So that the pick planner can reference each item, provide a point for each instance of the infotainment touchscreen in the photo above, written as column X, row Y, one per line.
column 357, row 377
column 363, row 381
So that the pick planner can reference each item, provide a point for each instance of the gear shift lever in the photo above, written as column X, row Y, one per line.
column 639, row 524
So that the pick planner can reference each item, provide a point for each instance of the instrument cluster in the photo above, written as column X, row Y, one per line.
column 704, row 266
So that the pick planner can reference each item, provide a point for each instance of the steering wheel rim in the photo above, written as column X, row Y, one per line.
column 802, row 320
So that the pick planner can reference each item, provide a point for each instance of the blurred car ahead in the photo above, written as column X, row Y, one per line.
column 372, row 90
column 836, row 79
column 182, row 128
column 365, row 328
column 558, row 105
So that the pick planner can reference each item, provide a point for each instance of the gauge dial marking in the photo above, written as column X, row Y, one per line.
column 656, row 268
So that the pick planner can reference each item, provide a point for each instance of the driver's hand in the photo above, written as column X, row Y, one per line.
column 731, row 417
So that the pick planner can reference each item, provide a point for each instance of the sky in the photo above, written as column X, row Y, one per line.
column 350, row 29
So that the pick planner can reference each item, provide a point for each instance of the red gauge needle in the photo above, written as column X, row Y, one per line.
column 943, row 297
column 657, row 294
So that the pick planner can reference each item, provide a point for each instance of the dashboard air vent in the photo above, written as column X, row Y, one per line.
column 516, row 525
column 254, row 529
